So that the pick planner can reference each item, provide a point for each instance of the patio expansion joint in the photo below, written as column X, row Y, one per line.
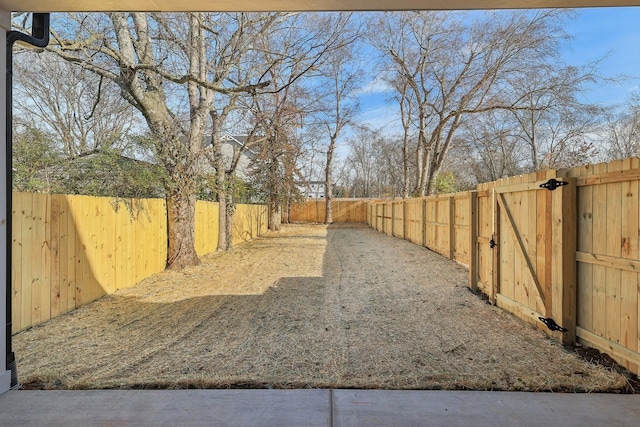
column 331, row 421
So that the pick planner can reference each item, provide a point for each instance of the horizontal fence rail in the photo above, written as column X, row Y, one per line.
column 71, row 250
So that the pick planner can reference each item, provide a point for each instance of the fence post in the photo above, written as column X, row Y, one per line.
column 452, row 228
column 372, row 217
column 424, row 222
column 405, row 226
column 563, row 262
column 495, row 236
column 473, row 240
column 367, row 213
column 393, row 219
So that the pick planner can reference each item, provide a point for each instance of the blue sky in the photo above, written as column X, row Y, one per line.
column 609, row 33
column 613, row 32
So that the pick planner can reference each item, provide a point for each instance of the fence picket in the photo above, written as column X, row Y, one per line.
column 629, row 250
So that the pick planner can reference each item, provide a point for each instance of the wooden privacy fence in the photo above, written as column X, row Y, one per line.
column 207, row 227
column 249, row 221
column 571, row 254
column 608, row 258
column 344, row 210
column 70, row 250
column 442, row 223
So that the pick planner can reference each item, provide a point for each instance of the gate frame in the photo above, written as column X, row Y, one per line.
column 559, row 295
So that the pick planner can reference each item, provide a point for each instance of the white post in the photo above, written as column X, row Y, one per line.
column 5, row 376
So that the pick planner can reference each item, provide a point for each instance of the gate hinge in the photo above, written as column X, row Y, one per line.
column 492, row 243
column 552, row 184
column 551, row 324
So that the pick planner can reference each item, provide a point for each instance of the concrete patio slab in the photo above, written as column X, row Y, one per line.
column 314, row 408
column 478, row 408
column 166, row 408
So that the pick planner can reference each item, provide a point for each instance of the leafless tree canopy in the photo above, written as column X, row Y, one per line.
column 450, row 68
column 623, row 130
column 85, row 112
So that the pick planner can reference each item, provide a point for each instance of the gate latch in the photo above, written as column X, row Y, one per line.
column 552, row 184
column 551, row 324
column 492, row 243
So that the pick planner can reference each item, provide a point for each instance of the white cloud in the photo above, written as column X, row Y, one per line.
column 375, row 86
column 385, row 118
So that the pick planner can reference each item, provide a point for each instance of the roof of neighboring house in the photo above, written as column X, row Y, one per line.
column 237, row 141
column 309, row 183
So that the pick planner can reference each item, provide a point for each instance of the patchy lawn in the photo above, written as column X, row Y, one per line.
column 310, row 306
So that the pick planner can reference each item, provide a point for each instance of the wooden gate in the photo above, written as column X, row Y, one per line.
column 526, row 249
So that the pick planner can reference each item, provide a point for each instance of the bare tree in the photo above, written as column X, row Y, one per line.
column 406, row 114
column 160, row 63
column 312, row 156
column 275, row 168
column 363, row 159
column 392, row 167
column 276, row 119
column 551, row 119
column 455, row 67
column 623, row 131
column 85, row 112
column 492, row 147
column 340, row 77
column 295, row 52
column 235, row 37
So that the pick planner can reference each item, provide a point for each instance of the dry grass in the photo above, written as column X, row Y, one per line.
column 311, row 306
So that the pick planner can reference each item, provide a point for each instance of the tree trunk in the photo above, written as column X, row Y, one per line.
column 422, row 157
column 405, row 117
column 221, row 180
column 274, row 217
column 328, row 184
column 228, row 229
column 180, row 188
column 222, row 220
column 419, row 166
column 433, row 175
column 286, row 213
column 405, row 166
column 329, row 204
column 534, row 155
column 181, row 209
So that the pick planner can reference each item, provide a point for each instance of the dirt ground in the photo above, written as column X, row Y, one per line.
column 310, row 306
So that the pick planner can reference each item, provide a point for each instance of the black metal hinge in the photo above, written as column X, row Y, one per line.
column 551, row 324
column 552, row 184
column 492, row 243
